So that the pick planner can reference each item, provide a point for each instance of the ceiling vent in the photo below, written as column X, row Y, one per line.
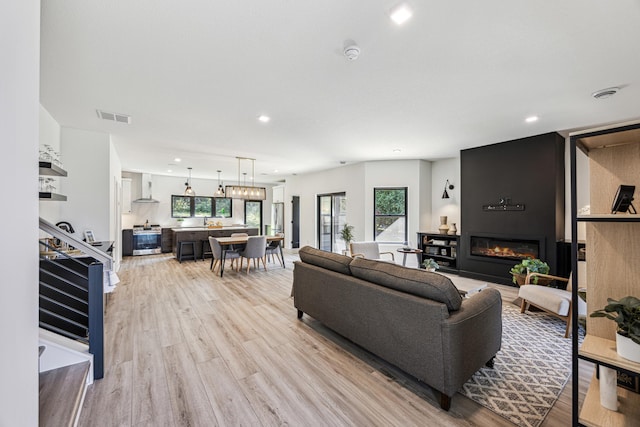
column 605, row 93
column 114, row 117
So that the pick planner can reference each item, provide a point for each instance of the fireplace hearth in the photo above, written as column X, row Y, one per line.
column 501, row 248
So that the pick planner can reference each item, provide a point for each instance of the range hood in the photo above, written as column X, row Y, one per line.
column 146, row 190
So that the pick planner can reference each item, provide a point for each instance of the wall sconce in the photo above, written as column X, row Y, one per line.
column 445, row 194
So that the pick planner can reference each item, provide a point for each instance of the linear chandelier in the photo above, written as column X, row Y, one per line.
column 244, row 191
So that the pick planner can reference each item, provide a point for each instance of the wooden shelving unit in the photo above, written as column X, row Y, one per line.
column 443, row 248
column 613, row 242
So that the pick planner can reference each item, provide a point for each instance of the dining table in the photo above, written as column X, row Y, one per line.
column 226, row 242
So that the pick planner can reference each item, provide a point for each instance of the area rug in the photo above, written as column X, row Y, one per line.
column 530, row 371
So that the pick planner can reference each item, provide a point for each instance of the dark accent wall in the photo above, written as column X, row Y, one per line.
column 527, row 171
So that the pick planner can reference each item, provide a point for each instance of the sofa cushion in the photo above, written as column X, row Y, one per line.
column 329, row 260
column 413, row 281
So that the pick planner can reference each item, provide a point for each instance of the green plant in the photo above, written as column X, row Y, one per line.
column 429, row 263
column 627, row 316
column 346, row 233
column 529, row 265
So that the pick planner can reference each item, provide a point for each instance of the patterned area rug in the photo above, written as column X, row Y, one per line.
column 530, row 370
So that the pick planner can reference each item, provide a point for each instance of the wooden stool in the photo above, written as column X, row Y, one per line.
column 191, row 255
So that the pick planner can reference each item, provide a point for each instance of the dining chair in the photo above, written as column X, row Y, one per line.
column 256, row 249
column 216, row 251
column 239, row 247
column 273, row 248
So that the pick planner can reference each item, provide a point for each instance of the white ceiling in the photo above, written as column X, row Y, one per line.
column 194, row 75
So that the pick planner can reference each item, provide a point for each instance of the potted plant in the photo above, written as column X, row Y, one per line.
column 346, row 234
column 430, row 264
column 626, row 314
column 529, row 265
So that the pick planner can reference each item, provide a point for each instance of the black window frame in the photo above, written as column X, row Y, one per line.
column 376, row 215
column 261, row 213
column 192, row 206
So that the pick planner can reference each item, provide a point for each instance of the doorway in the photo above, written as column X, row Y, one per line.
column 332, row 215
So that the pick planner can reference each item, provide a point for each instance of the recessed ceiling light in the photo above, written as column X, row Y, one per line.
column 531, row 119
column 263, row 118
column 605, row 93
column 177, row 159
column 275, row 171
column 397, row 150
column 400, row 14
column 169, row 170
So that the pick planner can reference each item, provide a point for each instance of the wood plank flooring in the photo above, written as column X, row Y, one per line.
column 185, row 347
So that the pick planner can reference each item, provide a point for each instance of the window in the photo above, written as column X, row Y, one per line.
column 223, row 207
column 253, row 213
column 390, row 215
column 200, row 207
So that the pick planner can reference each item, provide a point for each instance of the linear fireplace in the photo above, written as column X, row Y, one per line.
column 502, row 248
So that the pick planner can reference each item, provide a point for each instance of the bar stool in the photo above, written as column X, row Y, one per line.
column 205, row 248
column 181, row 254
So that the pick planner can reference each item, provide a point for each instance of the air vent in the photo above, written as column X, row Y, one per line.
column 605, row 93
column 114, row 117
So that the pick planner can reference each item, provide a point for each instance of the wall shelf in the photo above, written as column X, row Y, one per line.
column 50, row 169
column 52, row 197
column 608, row 218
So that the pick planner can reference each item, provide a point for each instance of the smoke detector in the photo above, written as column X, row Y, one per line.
column 352, row 52
column 605, row 93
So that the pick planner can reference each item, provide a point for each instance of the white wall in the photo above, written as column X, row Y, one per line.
column 358, row 181
column 88, row 184
column 163, row 187
column 19, row 109
column 443, row 170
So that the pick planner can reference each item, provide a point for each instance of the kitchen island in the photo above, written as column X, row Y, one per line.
column 200, row 235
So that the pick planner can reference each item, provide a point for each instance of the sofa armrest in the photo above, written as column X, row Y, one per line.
column 472, row 336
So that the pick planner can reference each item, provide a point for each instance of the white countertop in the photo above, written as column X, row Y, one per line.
column 231, row 227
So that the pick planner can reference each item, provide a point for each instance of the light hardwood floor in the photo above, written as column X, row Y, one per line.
column 185, row 347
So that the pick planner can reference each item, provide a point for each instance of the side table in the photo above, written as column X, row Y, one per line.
column 406, row 251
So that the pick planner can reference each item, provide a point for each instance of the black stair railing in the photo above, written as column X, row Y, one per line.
column 71, row 298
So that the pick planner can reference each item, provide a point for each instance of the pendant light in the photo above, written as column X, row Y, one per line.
column 220, row 191
column 244, row 191
column 189, row 191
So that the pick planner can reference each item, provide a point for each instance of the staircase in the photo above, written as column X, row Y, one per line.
column 72, row 288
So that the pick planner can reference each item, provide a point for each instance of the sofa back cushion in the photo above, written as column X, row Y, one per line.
column 413, row 281
column 329, row 260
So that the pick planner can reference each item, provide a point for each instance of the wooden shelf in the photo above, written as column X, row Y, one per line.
column 610, row 136
column 53, row 197
column 50, row 169
column 603, row 350
column 608, row 218
column 594, row 415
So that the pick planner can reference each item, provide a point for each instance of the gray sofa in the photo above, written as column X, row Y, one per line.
column 413, row 319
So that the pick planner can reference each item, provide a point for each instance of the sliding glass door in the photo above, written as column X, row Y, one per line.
column 332, row 214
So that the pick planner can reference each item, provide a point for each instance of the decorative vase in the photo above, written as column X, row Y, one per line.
column 444, row 228
column 608, row 388
column 453, row 230
column 627, row 348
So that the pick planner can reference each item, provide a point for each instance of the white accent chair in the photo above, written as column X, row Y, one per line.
column 556, row 302
column 368, row 250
